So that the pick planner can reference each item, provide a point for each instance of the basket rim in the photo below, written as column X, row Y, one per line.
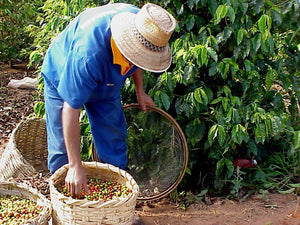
column 20, row 189
column 85, row 202
column 23, row 166
column 21, row 124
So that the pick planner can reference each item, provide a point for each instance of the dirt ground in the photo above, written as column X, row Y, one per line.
column 274, row 209
column 270, row 209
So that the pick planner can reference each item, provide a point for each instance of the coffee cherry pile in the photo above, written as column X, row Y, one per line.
column 99, row 190
column 15, row 210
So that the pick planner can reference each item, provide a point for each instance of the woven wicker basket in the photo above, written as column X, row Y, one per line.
column 26, row 152
column 24, row 191
column 69, row 211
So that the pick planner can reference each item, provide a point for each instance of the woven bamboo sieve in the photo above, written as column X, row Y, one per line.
column 26, row 192
column 183, row 142
column 69, row 211
column 26, row 151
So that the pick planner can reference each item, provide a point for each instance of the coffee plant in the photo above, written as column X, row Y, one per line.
column 15, row 16
column 233, row 85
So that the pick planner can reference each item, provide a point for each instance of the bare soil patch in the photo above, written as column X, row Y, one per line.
column 273, row 209
column 15, row 104
column 270, row 209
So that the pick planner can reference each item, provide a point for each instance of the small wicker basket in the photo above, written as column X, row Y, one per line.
column 69, row 211
column 26, row 152
column 24, row 191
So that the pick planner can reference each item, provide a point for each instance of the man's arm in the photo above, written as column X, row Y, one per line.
column 75, row 178
column 142, row 98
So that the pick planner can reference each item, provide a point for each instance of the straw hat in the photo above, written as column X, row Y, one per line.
column 143, row 37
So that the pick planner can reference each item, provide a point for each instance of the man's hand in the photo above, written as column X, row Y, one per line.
column 76, row 180
column 143, row 99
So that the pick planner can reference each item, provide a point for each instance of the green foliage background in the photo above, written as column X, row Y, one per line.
column 233, row 86
column 15, row 16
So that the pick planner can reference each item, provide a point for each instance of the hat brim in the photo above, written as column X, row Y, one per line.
column 133, row 49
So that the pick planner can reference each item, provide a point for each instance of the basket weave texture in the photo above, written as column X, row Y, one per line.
column 69, row 211
column 26, row 152
column 24, row 191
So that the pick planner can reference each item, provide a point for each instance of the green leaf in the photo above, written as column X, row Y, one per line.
column 180, row 53
column 186, row 108
column 240, row 36
column 221, row 135
column 264, row 23
column 228, row 115
column 201, row 30
column 177, row 4
column 230, row 167
column 296, row 140
column 191, row 4
column 238, row 133
column 204, row 58
column 223, row 69
column 271, row 45
column 217, row 100
column 212, row 5
column 235, row 116
column 165, row 100
column 220, row 13
column 220, row 166
column 188, row 72
column 190, row 22
column 195, row 131
column 231, row 14
column 157, row 98
column 244, row 7
column 227, row 91
column 259, row 6
column 213, row 69
column 278, row 101
column 225, row 72
column 197, row 95
column 223, row 11
column 178, row 45
column 90, row 150
column 213, row 133
column 204, row 96
column 270, row 78
column 289, row 191
column 276, row 125
column 252, row 147
column 247, row 64
column 39, row 109
column 260, row 133
column 188, row 171
column 265, row 36
column 225, row 102
column 295, row 185
column 276, row 15
column 212, row 54
column 256, row 42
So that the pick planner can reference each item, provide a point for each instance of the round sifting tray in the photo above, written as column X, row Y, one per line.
column 157, row 151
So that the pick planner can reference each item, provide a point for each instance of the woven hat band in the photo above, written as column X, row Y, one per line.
column 145, row 42
column 155, row 24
